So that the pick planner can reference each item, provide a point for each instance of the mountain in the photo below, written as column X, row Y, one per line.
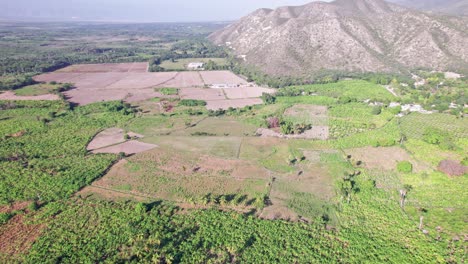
column 454, row 7
column 357, row 35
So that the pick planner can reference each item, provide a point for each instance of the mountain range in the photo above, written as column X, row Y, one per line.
column 454, row 7
column 345, row 35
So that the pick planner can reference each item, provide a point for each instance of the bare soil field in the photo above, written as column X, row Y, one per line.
column 236, row 103
column 110, row 136
column 246, row 92
column 107, row 67
column 221, row 77
column 61, row 77
column 127, row 81
column 184, row 79
column 11, row 96
column 129, row 147
column 205, row 94
column 141, row 80
column 384, row 158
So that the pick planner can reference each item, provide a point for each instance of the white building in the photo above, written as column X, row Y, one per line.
column 195, row 65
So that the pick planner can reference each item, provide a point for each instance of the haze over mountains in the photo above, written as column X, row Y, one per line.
column 454, row 7
column 358, row 35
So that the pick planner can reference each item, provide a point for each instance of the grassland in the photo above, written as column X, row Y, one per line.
column 181, row 64
column 37, row 89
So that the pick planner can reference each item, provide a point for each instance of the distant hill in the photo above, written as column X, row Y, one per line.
column 454, row 7
column 358, row 35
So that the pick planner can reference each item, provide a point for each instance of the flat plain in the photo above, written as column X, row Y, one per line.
column 131, row 82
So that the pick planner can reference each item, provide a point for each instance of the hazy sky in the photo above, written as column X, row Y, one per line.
column 136, row 10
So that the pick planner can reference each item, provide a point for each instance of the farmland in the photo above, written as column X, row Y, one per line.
column 113, row 162
column 181, row 64
column 129, row 81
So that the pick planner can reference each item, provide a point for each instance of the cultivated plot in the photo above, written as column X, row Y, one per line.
column 204, row 94
column 246, row 92
column 184, row 79
column 221, row 77
column 108, row 67
column 188, row 178
column 127, row 81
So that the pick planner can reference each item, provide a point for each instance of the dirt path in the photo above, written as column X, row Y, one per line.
column 390, row 90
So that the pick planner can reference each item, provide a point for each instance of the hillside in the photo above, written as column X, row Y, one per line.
column 362, row 35
column 454, row 7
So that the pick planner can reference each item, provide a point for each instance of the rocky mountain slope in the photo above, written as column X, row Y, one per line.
column 454, row 7
column 358, row 35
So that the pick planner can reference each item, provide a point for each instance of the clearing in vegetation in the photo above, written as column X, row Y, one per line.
column 107, row 67
column 181, row 64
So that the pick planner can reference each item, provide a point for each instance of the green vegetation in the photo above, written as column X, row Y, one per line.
column 169, row 91
column 190, row 102
column 405, row 167
column 213, row 191
column 345, row 91
column 43, row 151
column 42, row 88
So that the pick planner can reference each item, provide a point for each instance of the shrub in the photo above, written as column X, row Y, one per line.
column 169, row 91
column 191, row 102
column 273, row 122
column 405, row 167
column 377, row 110
column 433, row 136
column 4, row 217
column 268, row 98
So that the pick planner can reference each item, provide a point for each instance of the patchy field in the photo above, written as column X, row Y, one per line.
column 315, row 115
column 108, row 67
column 316, row 132
column 224, row 147
column 219, row 126
column 11, row 96
column 384, row 158
column 185, row 177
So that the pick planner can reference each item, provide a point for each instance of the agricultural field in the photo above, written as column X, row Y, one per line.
column 181, row 64
column 110, row 158
column 129, row 82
